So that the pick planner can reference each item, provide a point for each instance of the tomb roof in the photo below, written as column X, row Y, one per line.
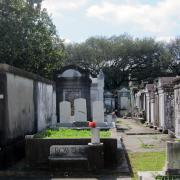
column 177, row 80
column 165, row 81
column 150, row 87
column 5, row 68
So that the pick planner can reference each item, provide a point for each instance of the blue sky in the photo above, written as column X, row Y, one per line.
column 77, row 20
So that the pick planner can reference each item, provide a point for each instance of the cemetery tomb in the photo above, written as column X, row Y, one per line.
column 177, row 106
column 173, row 158
column 166, row 103
column 73, row 82
column 123, row 101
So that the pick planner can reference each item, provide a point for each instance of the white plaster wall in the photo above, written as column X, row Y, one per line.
column 156, row 110
column 54, row 118
column 20, row 106
column 144, row 101
column 152, row 112
column 97, row 90
column 94, row 95
column 161, row 110
column 147, row 108
column 46, row 105
column 177, row 111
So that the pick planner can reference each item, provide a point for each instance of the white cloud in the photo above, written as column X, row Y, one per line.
column 66, row 40
column 160, row 18
column 165, row 38
column 56, row 7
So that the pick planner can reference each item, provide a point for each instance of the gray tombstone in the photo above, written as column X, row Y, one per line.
column 173, row 158
column 65, row 112
column 80, row 108
column 98, row 111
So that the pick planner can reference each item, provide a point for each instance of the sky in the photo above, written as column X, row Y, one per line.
column 77, row 20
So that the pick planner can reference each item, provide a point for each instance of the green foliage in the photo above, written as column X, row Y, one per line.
column 121, row 56
column 147, row 146
column 28, row 38
column 69, row 133
column 174, row 47
column 146, row 161
column 170, row 177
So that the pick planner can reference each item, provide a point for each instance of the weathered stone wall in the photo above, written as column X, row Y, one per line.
column 27, row 104
column 156, row 120
column 161, row 108
column 166, row 108
column 177, row 109
column 20, row 106
column 38, row 150
column 46, row 105
column 173, row 158
column 152, row 104
column 3, row 107
column 148, row 107
column 169, row 110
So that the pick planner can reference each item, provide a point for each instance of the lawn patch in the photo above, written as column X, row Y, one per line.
column 119, row 121
column 146, row 161
column 69, row 133
column 147, row 146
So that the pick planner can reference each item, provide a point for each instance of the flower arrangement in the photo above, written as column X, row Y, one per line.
column 92, row 124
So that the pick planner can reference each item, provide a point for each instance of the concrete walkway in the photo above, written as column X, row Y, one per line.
column 138, row 138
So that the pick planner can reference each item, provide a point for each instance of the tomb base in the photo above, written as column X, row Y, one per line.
column 95, row 156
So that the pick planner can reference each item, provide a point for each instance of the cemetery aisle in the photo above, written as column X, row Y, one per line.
column 145, row 147
column 136, row 136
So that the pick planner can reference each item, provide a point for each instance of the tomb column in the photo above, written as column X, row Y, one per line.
column 152, row 103
column 148, row 108
column 177, row 106
column 156, row 122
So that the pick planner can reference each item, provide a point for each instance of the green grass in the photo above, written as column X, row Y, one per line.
column 119, row 121
column 147, row 146
column 172, row 177
column 146, row 161
column 69, row 133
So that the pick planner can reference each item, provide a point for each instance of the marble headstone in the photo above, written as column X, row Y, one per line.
column 80, row 108
column 65, row 112
column 98, row 111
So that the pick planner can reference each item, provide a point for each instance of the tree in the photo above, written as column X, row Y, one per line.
column 174, row 48
column 28, row 38
column 121, row 56
column 91, row 54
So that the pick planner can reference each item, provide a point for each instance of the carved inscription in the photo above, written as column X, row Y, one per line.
column 68, row 151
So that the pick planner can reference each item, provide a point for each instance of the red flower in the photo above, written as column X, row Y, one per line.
column 92, row 124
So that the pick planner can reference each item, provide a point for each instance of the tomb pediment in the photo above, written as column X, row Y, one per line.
column 70, row 73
